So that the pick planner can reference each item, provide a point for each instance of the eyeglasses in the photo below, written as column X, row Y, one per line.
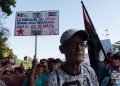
column 75, row 45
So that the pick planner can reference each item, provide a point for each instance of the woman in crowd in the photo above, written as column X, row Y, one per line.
column 35, row 76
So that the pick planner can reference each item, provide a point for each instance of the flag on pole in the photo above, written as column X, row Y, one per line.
column 95, row 48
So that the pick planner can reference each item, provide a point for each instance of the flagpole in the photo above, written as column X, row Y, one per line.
column 94, row 30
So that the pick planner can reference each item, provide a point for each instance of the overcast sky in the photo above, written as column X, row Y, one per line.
column 104, row 14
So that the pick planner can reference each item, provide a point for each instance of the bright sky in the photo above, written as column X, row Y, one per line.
column 104, row 14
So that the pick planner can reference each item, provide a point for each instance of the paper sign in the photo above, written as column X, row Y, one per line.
column 28, row 23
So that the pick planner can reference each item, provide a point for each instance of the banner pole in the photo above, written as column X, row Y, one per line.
column 35, row 57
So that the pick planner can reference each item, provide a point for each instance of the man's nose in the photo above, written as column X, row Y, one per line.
column 79, row 47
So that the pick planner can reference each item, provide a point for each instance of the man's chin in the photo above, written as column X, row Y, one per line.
column 78, row 62
column 79, row 59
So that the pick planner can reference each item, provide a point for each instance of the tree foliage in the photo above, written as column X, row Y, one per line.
column 4, row 34
column 116, row 46
column 6, row 6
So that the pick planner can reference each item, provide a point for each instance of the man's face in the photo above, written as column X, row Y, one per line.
column 52, row 66
column 39, row 71
column 74, row 49
column 115, row 62
column 45, row 65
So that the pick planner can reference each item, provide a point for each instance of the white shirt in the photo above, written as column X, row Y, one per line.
column 87, row 77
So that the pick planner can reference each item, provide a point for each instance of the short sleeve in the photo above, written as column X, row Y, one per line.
column 92, row 75
column 94, row 78
column 105, row 81
column 51, row 80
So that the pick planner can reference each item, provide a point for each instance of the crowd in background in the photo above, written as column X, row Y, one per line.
column 43, row 67
column 42, row 70
column 111, row 73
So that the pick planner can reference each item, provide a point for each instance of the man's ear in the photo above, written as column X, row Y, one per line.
column 61, row 49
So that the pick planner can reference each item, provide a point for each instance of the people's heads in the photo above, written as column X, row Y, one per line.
column 18, row 70
column 73, row 45
column 6, row 72
column 52, row 64
column 44, row 62
column 109, row 57
column 21, row 64
column 59, row 62
column 39, row 69
column 109, row 54
column 118, row 69
column 116, row 59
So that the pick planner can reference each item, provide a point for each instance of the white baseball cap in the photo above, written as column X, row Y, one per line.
column 70, row 32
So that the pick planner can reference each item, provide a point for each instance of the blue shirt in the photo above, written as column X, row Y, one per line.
column 44, row 75
column 107, row 80
column 38, row 81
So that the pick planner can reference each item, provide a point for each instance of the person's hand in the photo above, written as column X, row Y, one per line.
column 34, row 63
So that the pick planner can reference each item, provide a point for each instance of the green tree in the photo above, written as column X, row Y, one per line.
column 5, row 5
column 4, row 48
column 4, row 34
column 116, row 46
column 5, row 8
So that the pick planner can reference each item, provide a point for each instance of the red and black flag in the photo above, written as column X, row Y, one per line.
column 95, row 47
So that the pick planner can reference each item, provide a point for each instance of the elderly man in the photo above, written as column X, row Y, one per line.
column 73, row 72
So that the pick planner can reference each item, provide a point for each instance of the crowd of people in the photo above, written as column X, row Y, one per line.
column 39, row 72
column 9, row 70
column 112, row 74
column 42, row 69
column 72, row 72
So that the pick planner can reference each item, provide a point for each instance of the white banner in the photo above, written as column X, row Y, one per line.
column 29, row 23
column 107, row 45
